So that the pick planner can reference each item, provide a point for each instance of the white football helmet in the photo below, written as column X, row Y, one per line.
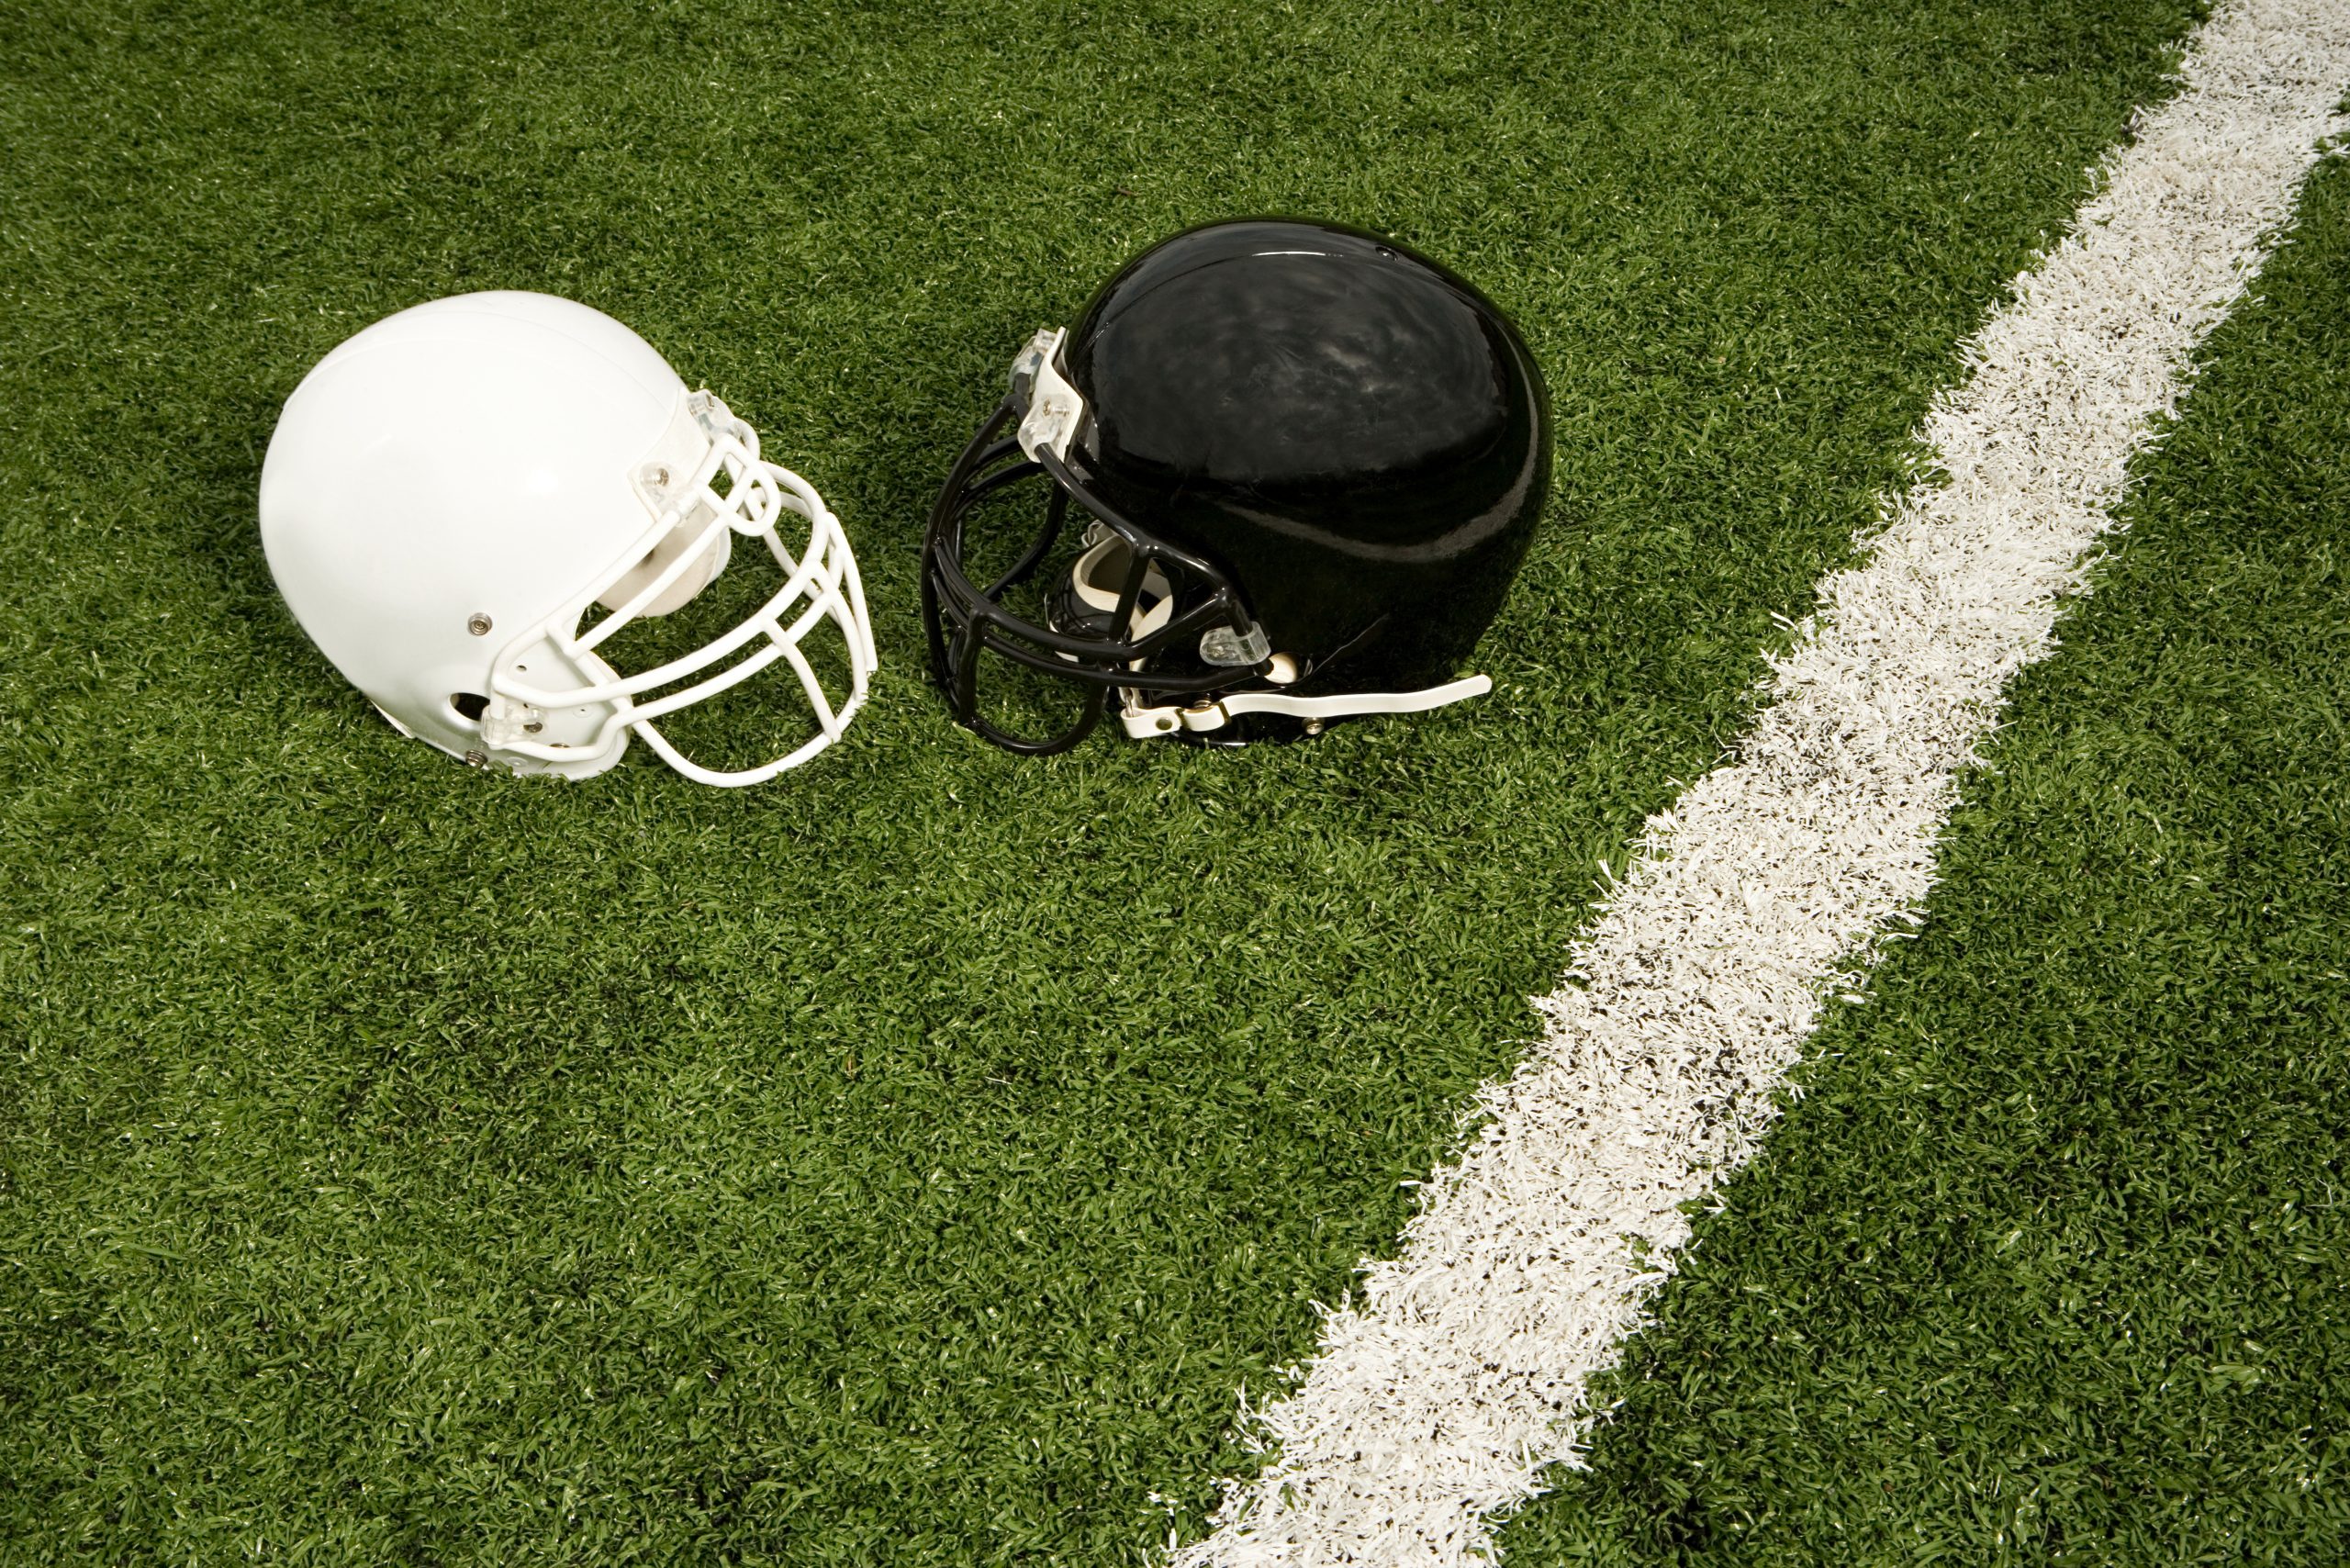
column 450, row 492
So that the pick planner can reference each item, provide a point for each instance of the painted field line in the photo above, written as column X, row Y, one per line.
column 1433, row 1405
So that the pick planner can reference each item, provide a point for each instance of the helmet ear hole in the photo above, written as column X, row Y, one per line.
column 470, row 705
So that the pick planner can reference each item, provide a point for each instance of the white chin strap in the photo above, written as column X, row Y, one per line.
column 1103, row 561
column 1146, row 724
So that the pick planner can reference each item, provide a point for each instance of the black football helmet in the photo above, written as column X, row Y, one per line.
column 1310, row 463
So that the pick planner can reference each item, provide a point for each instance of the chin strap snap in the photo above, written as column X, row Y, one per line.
column 1145, row 723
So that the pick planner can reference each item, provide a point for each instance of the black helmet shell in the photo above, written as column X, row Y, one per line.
column 1357, row 436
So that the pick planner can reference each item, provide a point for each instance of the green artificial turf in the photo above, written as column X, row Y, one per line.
column 2049, row 1264
column 909, row 1160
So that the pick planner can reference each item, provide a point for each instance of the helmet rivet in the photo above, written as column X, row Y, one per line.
column 478, row 624
column 1312, row 726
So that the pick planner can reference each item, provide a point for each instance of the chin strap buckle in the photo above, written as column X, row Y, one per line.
column 1149, row 724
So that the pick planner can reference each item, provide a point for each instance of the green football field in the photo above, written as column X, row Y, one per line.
column 912, row 1159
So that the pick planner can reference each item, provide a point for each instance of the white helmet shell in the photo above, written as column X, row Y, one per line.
column 449, row 492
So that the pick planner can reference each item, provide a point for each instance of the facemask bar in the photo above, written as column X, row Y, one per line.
column 963, row 620
column 758, row 496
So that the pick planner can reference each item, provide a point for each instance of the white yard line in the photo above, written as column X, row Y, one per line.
column 1434, row 1404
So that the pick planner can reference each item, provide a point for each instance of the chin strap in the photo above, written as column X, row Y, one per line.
column 1145, row 723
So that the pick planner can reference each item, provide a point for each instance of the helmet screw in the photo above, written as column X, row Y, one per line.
column 478, row 624
column 1312, row 726
column 476, row 759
